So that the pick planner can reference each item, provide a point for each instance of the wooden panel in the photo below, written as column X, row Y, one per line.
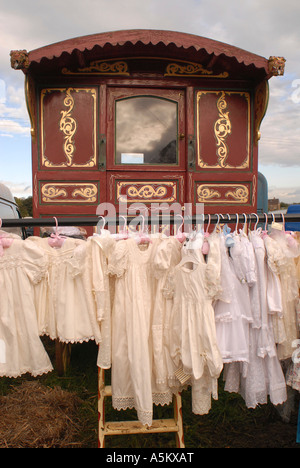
column 146, row 188
column 68, row 133
column 223, row 127
column 228, row 193
column 55, row 192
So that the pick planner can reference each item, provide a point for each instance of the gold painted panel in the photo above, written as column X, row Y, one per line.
column 69, row 192
column 68, row 128
column 147, row 191
column 222, row 129
column 218, row 193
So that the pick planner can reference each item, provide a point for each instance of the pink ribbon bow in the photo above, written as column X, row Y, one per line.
column 5, row 242
column 56, row 240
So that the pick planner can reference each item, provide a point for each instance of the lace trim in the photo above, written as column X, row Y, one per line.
column 27, row 370
column 123, row 403
column 71, row 341
column 162, row 398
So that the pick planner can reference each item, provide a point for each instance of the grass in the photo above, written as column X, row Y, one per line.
column 229, row 424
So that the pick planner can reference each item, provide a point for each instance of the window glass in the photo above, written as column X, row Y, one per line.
column 146, row 131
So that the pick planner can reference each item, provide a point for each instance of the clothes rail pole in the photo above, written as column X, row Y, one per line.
column 175, row 424
column 94, row 220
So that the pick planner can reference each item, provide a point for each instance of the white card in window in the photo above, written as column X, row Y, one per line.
column 132, row 158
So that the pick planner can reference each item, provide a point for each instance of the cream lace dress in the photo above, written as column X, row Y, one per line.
column 22, row 265
column 64, row 299
column 99, row 249
column 194, row 347
column 135, row 285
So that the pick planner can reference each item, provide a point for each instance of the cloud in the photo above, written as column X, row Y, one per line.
column 285, row 194
column 280, row 140
column 10, row 127
column 14, row 119
column 21, row 189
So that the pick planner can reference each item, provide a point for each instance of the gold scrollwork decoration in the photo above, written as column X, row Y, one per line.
column 99, row 67
column 88, row 193
column 222, row 129
column 212, row 193
column 68, row 126
column 69, row 192
column 240, row 194
column 50, row 192
column 191, row 69
column 146, row 191
column 205, row 193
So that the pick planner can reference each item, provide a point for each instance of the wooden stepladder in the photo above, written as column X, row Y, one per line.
column 111, row 428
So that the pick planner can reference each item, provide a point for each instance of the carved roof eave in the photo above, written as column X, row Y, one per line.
column 82, row 47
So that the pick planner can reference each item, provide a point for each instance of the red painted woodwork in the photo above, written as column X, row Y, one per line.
column 73, row 90
column 64, row 141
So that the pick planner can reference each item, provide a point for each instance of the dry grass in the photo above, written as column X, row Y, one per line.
column 35, row 416
column 55, row 411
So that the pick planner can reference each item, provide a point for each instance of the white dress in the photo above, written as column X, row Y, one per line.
column 281, row 259
column 99, row 249
column 135, row 287
column 22, row 265
column 264, row 373
column 233, row 311
column 194, row 348
column 167, row 256
column 64, row 299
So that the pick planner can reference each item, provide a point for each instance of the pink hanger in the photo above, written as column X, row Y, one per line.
column 56, row 240
column 142, row 237
column 5, row 241
column 180, row 236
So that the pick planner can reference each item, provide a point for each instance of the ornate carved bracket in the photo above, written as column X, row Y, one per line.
column 19, row 59
column 261, row 100
column 276, row 65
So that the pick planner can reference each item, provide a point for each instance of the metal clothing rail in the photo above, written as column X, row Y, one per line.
column 158, row 220
column 175, row 424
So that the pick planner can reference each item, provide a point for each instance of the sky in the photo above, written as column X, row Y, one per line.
column 263, row 27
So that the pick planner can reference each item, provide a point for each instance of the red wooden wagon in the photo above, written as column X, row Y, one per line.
column 153, row 116
column 149, row 117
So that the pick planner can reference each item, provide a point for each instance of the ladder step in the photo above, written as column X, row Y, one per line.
column 134, row 427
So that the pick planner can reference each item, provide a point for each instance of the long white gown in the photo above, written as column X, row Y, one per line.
column 194, row 347
column 22, row 266
column 135, row 287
